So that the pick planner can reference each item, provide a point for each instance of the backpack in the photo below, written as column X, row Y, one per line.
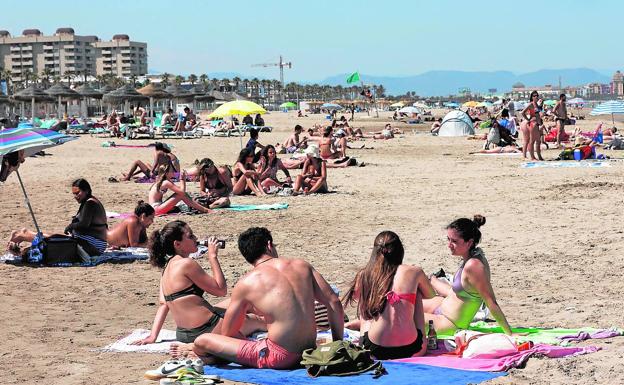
column 339, row 358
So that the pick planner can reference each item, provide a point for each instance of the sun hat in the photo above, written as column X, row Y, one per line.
column 313, row 151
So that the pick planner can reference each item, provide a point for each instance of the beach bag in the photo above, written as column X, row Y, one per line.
column 60, row 249
column 479, row 345
column 339, row 358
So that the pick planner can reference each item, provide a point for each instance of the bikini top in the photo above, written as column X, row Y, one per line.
column 457, row 286
column 394, row 297
column 217, row 186
column 191, row 290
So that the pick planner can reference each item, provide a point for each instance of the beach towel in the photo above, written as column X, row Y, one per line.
column 550, row 336
column 566, row 164
column 233, row 207
column 125, row 255
column 399, row 373
column 513, row 360
column 501, row 154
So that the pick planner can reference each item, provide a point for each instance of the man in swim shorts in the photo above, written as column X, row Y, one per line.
column 282, row 292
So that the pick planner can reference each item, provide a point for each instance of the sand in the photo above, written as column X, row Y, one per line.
column 553, row 239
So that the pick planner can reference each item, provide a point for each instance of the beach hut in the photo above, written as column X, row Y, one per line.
column 456, row 123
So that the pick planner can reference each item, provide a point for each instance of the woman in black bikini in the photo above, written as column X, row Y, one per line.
column 215, row 184
column 244, row 175
column 162, row 156
column 268, row 167
column 389, row 302
column 184, row 282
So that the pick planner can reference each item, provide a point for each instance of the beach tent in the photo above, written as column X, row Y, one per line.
column 397, row 105
column 456, row 123
column 410, row 110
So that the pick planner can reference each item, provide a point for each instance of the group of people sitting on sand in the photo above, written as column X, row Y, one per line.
column 89, row 227
column 394, row 301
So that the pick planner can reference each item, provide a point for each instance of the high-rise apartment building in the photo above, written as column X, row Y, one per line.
column 65, row 52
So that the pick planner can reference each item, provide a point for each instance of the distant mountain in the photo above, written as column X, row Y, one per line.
column 441, row 83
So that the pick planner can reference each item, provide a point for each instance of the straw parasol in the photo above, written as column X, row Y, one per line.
column 153, row 91
column 87, row 92
column 32, row 94
column 124, row 94
column 60, row 91
column 106, row 89
column 196, row 90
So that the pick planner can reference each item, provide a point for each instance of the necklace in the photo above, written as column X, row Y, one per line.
column 260, row 263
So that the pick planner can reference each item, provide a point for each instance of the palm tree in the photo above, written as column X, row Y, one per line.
column 47, row 74
column 68, row 75
column 133, row 79
column 236, row 81
column 165, row 79
column 6, row 75
column 203, row 78
column 255, row 84
column 192, row 78
column 178, row 79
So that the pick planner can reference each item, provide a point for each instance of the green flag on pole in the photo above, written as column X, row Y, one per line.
column 353, row 78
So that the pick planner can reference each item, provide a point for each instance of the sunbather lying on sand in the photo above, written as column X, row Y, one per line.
column 163, row 184
column 499, row 150
column 162, row 156
column 456, row 304
column 387, row 133
column 132, row 231
column 389, row 299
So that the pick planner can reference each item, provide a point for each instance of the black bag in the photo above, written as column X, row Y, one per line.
column 60, row 249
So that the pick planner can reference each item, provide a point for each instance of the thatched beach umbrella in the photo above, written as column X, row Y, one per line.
column 106, row 89
column 178, row 93
column 32, row 94
column 87, row 92
column 61, row 91
column 125, row 93
column 153, row 91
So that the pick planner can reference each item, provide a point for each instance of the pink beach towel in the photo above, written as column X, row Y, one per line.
column 514, row 360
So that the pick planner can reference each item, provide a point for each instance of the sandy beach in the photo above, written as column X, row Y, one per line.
column 553, row 239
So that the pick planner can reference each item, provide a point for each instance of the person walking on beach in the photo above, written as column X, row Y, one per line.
column 561, row 115
column 282, row 291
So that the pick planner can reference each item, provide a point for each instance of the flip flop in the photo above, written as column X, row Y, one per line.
column 112, row 179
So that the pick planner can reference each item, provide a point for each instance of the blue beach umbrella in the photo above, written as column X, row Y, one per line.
column 332, row 106
column 611, row 107
column 30, row 141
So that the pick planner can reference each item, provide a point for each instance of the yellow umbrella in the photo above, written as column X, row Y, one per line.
column 237, row 107
column 471, row 103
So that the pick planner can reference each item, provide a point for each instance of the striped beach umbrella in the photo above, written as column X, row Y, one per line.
column 30, row 141
column 611, row 107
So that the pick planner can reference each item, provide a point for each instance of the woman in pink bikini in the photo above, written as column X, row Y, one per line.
column 389, row 302
column 457, row 303
column 531, row 132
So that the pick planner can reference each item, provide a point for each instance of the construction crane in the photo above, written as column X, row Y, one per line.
column 281, row 66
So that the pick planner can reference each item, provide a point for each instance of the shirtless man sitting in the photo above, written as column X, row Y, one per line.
column 293, row 143
column 282, row 291
column 132, row 231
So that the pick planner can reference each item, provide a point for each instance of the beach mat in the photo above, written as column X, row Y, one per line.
column 125, row 255
column 516, row 360
column 566, row 164
column 233, row 207
column 550, row 336
column 398, row 374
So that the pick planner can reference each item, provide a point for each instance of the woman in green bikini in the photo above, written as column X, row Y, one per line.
column 456, row 304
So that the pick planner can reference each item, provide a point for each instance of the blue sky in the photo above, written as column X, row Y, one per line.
column 324, row 38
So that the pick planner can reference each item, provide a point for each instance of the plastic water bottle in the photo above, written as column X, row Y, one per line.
column 578, row 155
column 432, row 337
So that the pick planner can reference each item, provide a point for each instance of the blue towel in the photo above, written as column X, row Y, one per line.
column 274, row 206
column 566, row 164
column 398, row 374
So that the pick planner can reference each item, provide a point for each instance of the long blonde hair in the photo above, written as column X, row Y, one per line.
column 163, row 171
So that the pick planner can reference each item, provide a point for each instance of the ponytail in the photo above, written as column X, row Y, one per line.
column 160, row 244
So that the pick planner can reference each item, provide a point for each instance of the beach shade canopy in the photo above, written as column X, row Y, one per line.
column 470, row 104
column 154, row 91
column 124, row 93
column 30, row 141
column 288, row 105
column 32, row 92
column 178, row 92
column 397, row 105
column 611, row 107
column 196, row 90
column 485, row 104
column 237, row 107
column 86, row 91
column 550, row 102
column 210, row 96
column 332, row 106
column 420, row 105
column 451, row 104
column 410, row 110
column 61, row 90
column 456, row 123
column 106, row 89
column 576, row 101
